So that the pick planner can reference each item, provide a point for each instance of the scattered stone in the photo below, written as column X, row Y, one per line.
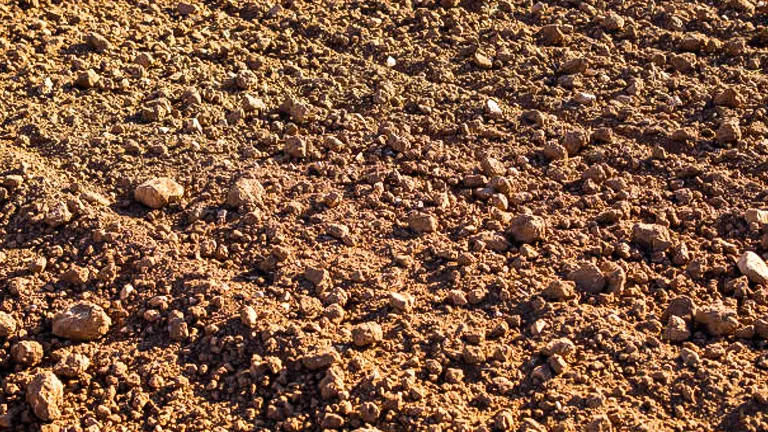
column 718, row 320
column 753, row 267
column 574, row 141
column 178, row 329
column 482, row 61
column 253, row 104
column 728, row 98
column 320, row 360
column 87, row 79
column 729, row 132
column 72, row 365
column 559, row 290
column 97, row 42
column 27, row 353
column 296, row 147
column 401, row 302
column 492, row 167
column 588, row 278
column 653, row 237
column 527, row 228
column 186, row 9
column 676, row 330
column 158, row 192
column 422, row 222
column 573, row 66
column 602, row 135
column 245, row 191
column 683, row 63
column 682, row 307
column 7, row 325
column 492, row 109
column 82, row 321
column 45, row 394
column 249, row 317
column 757, row 216
column 613, row 22
column 552, row 35
column 366, row 334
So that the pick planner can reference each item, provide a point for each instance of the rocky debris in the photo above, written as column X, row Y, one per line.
column 97, row 42
column 559, row 290
column 422, row 222
column 481, row 60
column 753, row 267
column 729, row 132
column 728, row 97
column 676, row 330
column 296, row 147
column 528, row 228
column 178, row 329
column 158, row 192
column 552, row 35
column 7, row 325
column 320, row 360
column 245, row 191
column 612, row 22
column 588, row 278
column 87, row 79
column 655, row 238
column 27, row 353
column 366, row 334
column 717, row 320
column 45, row 394
column 757, row 216
column 58, row 215
column 682, row 306
column 401, row 302
column 492, row 109
column 249, row 317
column 72, row 365
column 186, row 9
column 82, row 321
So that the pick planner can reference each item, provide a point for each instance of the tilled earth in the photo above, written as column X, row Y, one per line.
column 465, row 215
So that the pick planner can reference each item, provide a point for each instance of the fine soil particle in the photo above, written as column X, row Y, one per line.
column 442, row 215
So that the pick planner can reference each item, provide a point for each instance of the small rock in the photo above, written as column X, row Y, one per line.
column 422, row 222
column 757, row 216
column 492, row 167
column 7, row 325
column 245, row 191
column 44, row 394
column 552, row 35
column 689, row 357
column 559, row 290
column 253, row 104
column 186, row 9
column 366, row 334
column 728, row 132
column 588, row 278
column 527, row 228
column 295, row 146
column 249, row 317
column 27, row 353
column 728, row 98
column 320, row 360
column 585, row 98
column 615, row 277
column 82, row 321
column 298, row 111
column 158, row 192
column 482, row 61
column 603, row 135
column 573, row 66
column 401, row 302
column 574, row 141
column 683, row 63
column 753, row 267
column 72, row 365
column 676, row 330
column 58, row 215
column 653, row 237
column 492, row 109
column 87, row 79
column 554, row 151
column 613, row 22
column 97, row 42
column 178, row 329
column 717, row 320
column 682, row 307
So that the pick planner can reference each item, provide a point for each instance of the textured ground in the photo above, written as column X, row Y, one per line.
column 465, row 215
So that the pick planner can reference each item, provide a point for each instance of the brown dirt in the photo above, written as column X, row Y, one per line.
column 433, row 215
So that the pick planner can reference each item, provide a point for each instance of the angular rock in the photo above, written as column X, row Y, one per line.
column 753, row 267
column 82, row 321
column 527, row 228
column 245, row 191
column 158, row 192
column 718, row 320
column 728, row 132
column 27, row 353
column 72, row 365
column 296, row 147
column 676, row 330
column 589, row 278
column 422, row 222
column 559, row 290
column 757, row 216
column 652, row 237
column 366, row 334
column 45, row 394
column 7, row 325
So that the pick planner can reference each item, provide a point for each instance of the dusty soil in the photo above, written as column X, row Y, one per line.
column 437, row 215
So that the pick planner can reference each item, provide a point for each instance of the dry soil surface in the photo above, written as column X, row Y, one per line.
column 441, row 215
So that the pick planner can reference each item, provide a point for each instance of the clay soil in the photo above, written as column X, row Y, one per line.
column 441, row 215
